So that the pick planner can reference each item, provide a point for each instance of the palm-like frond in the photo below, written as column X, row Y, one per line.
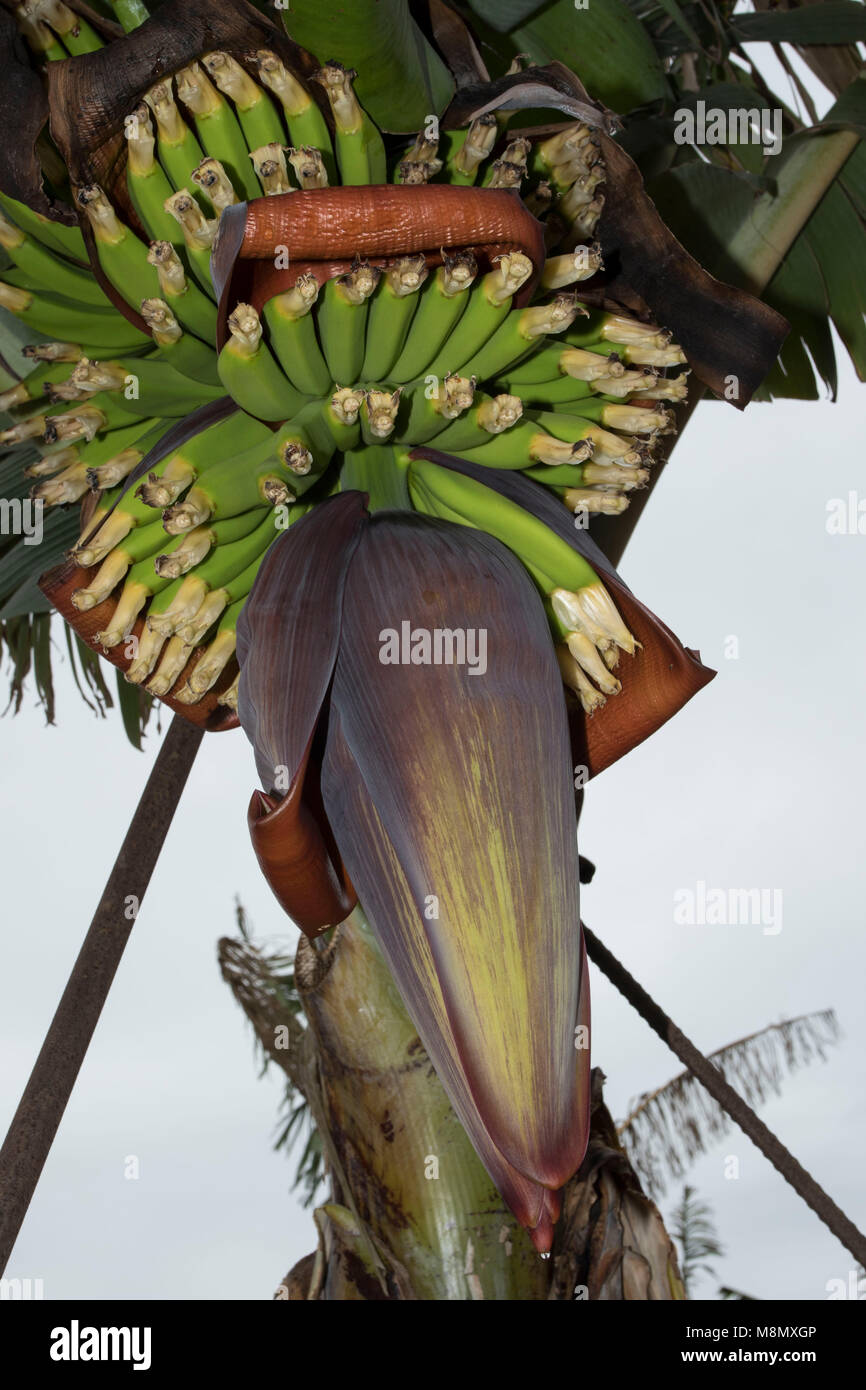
column 692, row 1227
column 669, row 1127
column 263, row 983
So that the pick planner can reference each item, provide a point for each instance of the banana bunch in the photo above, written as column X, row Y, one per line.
column 336, row 380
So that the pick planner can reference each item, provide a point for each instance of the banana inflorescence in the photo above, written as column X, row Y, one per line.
column 336, row 377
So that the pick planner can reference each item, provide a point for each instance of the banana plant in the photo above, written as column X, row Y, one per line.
column 349, row 347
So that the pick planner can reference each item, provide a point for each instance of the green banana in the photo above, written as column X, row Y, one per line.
column 52, row 314
column 184, row 351
column 121, row 508
column 334, row 424
column 360, row 149
column 442, row 302
column 227, row 574
column 426, row 410
column 489, row 304
column 307, row 443
column 618, row 476
column 217, row 127
column 251, row 375
column 99, row 414
column 269, row 162
column 193, row 546
column 391, row 311
column 215, row 184
column 224, row 576
column 550, row 559
column 580, row 264
column 48, row 270
column 579, row 606
column 141, row 583
column 564, row 390
column 380, row 471
column 307, row 125
column 231, row 438
column 67, row 487
column 32, row 387
column 149, row 387
column 172, row 663
column 122, row 256
column 215, row 657
column 230, row 487
column 178, row 150
column 112, row 457
column 598, row 326
column 521, row 329
column 146, row 179
column 489, row 416
column 39, row 37
column 550, row 360
column 309, row 166
column 520, row 447
column 641, row 355
column 198, row 235
column 292, row 335
column 259, row 121
column 342, row 320
column 594, row 500
column 614, row 415
column 57, row 236
column 379, row 415
column 465, row 150
column 140, row 544
column 77, row 35
column 189, row 305
column 606, row 446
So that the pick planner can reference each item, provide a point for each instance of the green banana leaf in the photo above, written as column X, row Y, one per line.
column 840, row 21
column 705, row 203
column 605, row 44
column 401, row 78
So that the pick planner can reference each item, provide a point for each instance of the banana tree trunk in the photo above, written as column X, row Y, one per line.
column 412, row 1213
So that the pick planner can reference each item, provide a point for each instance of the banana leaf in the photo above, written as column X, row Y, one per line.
column 704, row 204
column 839, row 21
column 401, row 78
column 603, row 42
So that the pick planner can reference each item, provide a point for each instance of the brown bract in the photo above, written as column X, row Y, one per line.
column 24, row 113
column 291, row 623
column 323, row 229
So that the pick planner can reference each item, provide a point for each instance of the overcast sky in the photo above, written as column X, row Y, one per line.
column 757, row 784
